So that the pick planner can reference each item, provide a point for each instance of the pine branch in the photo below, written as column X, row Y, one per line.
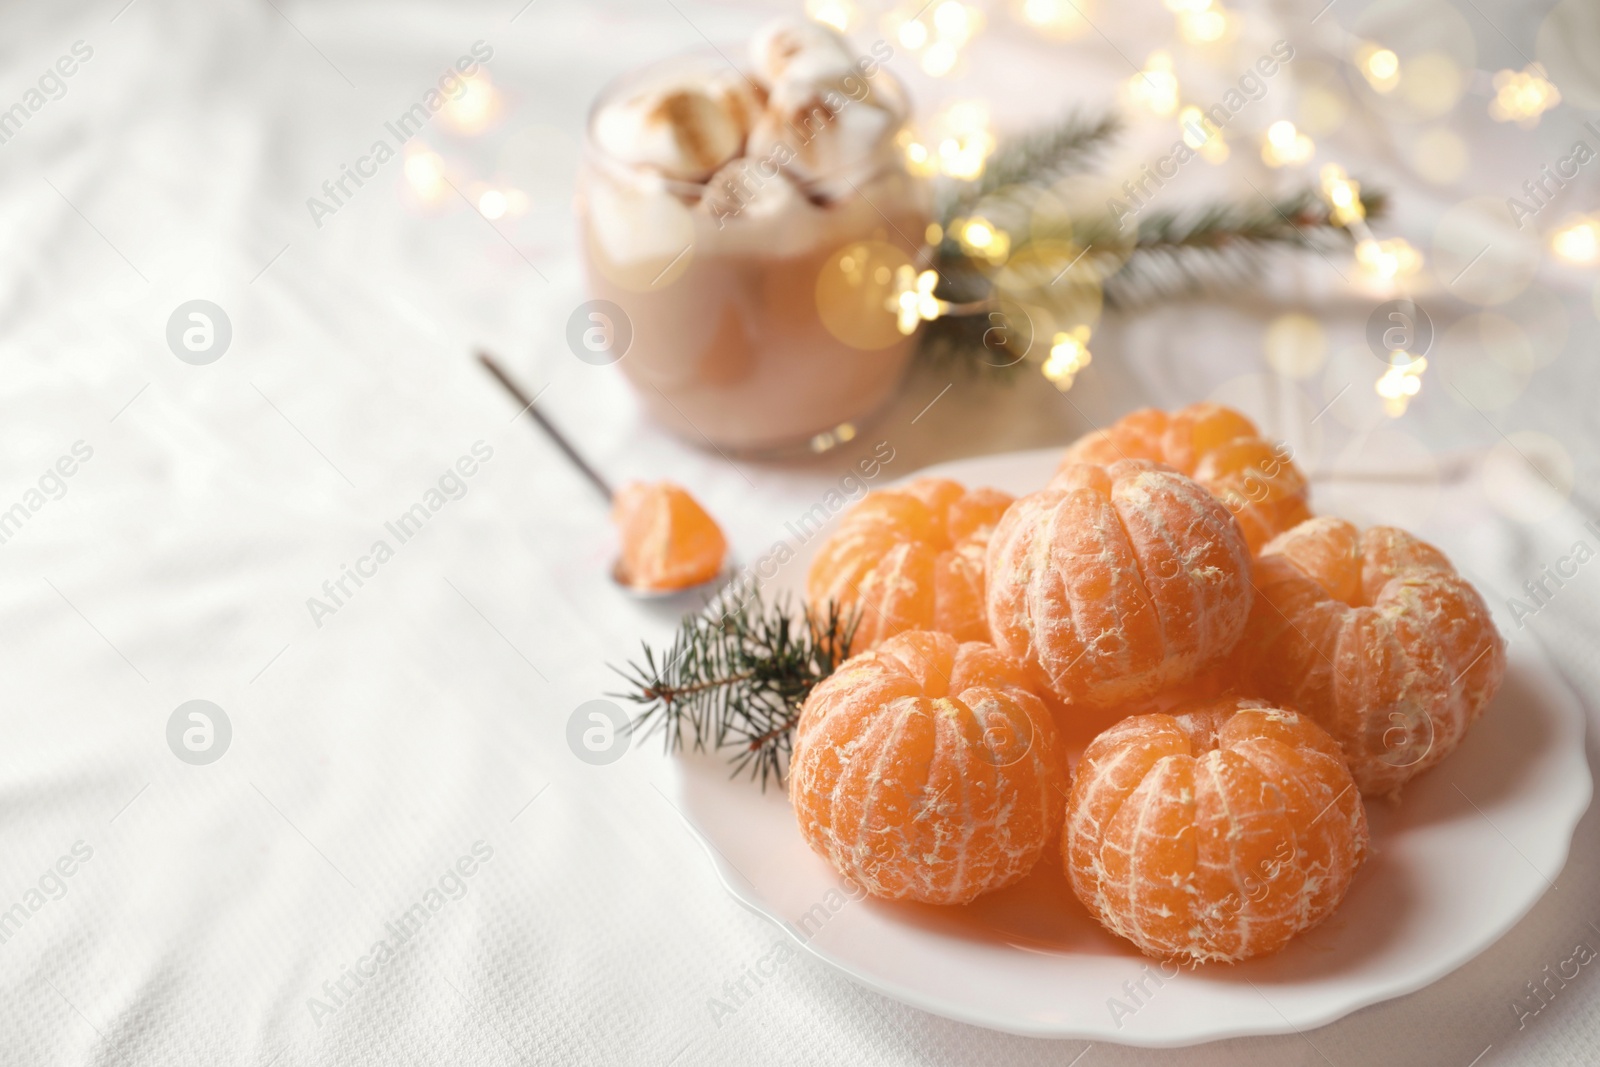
column 1222, row 244
column 1039, row 158
column 1170, row 253
column 735, row 680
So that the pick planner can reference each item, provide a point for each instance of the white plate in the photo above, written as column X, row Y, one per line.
column 1476, row 843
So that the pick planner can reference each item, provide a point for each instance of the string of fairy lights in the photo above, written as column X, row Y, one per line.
column 955, row 142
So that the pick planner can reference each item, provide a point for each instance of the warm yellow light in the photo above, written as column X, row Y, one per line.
column 477, row 106
column 836, row 13
column 913, row 35
column 965, row 139
column 1387, row 260
column 1054, row 16
column 1197, row 129
column 982, row 239
column 1203, row 26
column 1285, row 145
column 1201, row 134
column 493, row 204
column 424, row 171
column 1578, row 240
column 939, row 59
column 1069, row 354
column 1522, row 96
column 1399, row 384
column 953, row 21
column 1343, row 194
column 1155, row 87
column 1380, row 66
column 914, row 302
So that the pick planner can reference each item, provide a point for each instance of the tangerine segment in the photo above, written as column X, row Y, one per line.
column 1116, row 582
column 1218, row 833
column 926, row 770
column 1374, row 635
column 668, row 540
column 911, row 559
column 1217, row 447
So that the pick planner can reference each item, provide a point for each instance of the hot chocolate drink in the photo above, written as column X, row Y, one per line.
column 753, row 224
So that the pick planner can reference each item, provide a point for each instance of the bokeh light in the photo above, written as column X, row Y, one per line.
column 1521, row 96
column 1379, row 65
column 1203, row 135
column 958, row 144
column 1155, row 87
column 1296, row 345
column 1069, row 354
column 1433, row 83
column 1568, row 47
column 476, row 108
column 1285, row 146
column 839, row 14
column 425, row 173
column 1061, row 19
column 1440, row 155
column 1387, row 260
column 1577, row 240
column 857, row 294
column 1342, row 193
column 1399, row 384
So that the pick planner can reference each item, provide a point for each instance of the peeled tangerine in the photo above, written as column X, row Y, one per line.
column 668, row 541
column 1218, row 833
column 1217, row 447
column 926, row 770
column 1116, row 582
column 1373, row 634
column 911, row 559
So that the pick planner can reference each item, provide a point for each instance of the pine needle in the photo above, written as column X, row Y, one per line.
column 1044, row 156
column 735, row 680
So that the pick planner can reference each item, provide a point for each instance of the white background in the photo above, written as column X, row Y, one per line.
column 368, row 754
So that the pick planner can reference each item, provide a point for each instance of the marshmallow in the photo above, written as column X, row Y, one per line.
column 684, row 132
column 749, row 189
column 742, row 98
column 812, row 142
column 757, row 211
column 639, row 224
column 799, row 50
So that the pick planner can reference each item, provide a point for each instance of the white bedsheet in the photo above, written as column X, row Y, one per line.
column 212, row 911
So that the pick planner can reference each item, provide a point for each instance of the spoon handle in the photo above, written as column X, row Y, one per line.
column 544, row 424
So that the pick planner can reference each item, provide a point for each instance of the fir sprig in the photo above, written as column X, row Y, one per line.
column 1220, row 244
column 735, row 677
column 1071, row 146
column 1124, row 262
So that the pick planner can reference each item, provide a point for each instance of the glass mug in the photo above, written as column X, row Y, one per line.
column 760, row 310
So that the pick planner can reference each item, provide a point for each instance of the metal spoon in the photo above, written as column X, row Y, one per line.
column 618, row 574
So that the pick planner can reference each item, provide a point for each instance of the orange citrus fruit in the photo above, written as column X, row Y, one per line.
column 1116, row 582
column 1218, row 833
column 926, row 770
column 668, row 540
column 910, row 559
column 1374, row 635
column 1217, row 447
